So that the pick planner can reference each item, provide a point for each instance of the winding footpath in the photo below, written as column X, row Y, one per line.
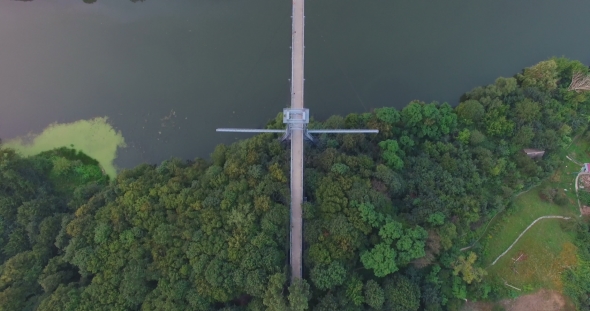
column 525, row 230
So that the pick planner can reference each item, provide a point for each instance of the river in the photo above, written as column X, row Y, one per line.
column 167, row 73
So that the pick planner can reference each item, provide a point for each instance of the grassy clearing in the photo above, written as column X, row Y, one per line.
column 546, row 248
column 564, row 179
column 579, row 149
column 528, row 207
column 543, row 252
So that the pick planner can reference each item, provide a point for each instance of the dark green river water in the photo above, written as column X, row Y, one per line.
column 167, row 73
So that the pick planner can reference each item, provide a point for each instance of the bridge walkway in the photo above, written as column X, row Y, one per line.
column 297, row 63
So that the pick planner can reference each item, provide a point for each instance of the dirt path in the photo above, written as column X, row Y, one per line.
column 525, row 230
column 578, row 163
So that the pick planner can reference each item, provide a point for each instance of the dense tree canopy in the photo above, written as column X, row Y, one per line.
column 384, row 219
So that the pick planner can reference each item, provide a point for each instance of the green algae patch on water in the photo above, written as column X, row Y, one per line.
column 95, row 138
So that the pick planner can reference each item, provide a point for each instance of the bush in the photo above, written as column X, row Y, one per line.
column 561, row 198
column 584, row 197
column 548, row 194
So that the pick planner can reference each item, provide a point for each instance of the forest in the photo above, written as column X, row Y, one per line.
column 385, row 215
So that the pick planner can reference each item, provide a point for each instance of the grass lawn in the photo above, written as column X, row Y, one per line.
column 578, row 150
column 545, row 248
column 544, row 251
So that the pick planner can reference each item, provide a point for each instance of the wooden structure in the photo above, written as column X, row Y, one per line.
column 534, row 153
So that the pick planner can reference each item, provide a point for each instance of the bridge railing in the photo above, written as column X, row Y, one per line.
column 249, row 130
column 337, row 131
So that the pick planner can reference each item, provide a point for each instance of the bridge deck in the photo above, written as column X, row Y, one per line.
column 297, row 50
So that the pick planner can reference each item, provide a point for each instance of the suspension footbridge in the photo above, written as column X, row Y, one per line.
column 296, row 119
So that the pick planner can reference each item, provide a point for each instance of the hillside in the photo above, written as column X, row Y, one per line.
column 385, row 218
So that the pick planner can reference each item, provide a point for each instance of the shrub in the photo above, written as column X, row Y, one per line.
column 560, row 198
column 584, row 197
column 548, row 194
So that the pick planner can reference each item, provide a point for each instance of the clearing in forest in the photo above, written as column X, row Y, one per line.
column 540, row 256
column 580, row 149
column 545, row 250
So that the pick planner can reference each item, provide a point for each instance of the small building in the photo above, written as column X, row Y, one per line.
column 534, row 153
column 586, row 168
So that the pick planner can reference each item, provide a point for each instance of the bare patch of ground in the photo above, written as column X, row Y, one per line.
column 585, row 181
column 543, row 300
column 521, row 256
